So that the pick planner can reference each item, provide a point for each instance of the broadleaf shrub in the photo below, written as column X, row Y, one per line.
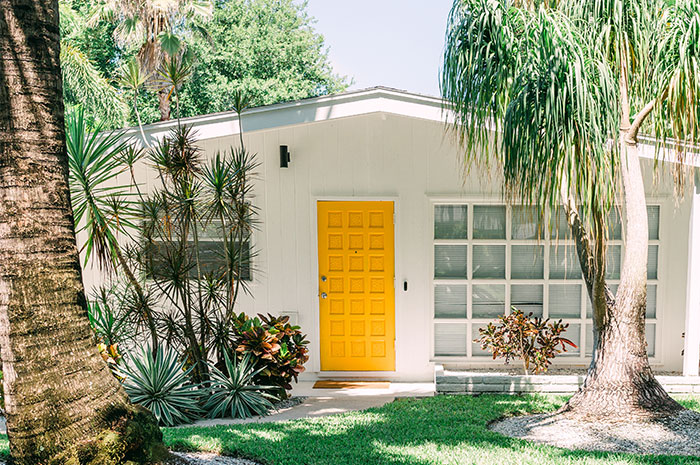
column 532, row 340
column 280, row 348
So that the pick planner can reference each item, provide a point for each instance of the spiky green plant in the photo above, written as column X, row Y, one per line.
column 553, row 95
column 161, row 382
column 234, row 394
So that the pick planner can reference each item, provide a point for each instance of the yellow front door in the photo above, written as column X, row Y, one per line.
column 356, row 285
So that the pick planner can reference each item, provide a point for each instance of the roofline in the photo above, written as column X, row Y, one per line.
column 377, row 92
column 378, row 99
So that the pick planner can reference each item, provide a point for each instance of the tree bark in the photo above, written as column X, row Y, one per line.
column 620, row 382
column 164, row 104
column 61, row 399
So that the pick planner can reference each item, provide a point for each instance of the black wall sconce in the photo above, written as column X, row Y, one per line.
column 285, row 157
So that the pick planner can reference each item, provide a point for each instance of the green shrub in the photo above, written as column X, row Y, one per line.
column 280, row 348
column 234, row 394
column 161, row 383
column 533, row 340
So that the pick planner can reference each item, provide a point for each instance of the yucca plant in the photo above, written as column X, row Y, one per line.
column 161, row 383
column 233, row 394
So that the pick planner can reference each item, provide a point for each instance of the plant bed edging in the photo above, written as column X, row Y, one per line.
column 473, row 382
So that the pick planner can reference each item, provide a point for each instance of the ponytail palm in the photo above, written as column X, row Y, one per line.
column 554, row 95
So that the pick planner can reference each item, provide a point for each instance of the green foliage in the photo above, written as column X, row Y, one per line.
column 281, row 348
column 87, row 60
column 440, row 430
column 108, row 318
column 99, row 208
column 533, row 340
column 234, row 394
column 528, row 73
column 161, row 383
column 267, row 48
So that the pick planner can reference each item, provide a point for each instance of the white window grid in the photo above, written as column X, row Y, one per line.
column 583, row 322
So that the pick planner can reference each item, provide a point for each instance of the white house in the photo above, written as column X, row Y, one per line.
column 375, row 241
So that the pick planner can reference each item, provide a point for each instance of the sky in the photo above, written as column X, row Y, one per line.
column 393, row 43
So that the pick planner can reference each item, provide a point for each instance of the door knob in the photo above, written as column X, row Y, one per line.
column 323, row 295
column 324, row 279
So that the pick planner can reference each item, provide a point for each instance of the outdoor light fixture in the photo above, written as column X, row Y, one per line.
column 284, row 156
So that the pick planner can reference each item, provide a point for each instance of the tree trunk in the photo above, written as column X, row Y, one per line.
column 61, row 399
column 164, row 104
column 620, row 383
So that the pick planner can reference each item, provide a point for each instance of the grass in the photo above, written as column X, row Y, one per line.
column 439, row 430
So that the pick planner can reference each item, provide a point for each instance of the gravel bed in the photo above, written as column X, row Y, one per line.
column 676, row 435
column 289, row 403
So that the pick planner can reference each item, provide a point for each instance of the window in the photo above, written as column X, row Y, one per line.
column 212, row 257
column 487, row 258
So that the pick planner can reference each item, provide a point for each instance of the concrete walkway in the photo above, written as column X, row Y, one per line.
column 322, row 402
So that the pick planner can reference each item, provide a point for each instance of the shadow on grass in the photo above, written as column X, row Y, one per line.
column 439, row 430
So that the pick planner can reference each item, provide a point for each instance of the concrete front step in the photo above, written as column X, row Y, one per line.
column 466, row 382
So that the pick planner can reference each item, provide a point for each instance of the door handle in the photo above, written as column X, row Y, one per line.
column 324, row 279
column 324, row 295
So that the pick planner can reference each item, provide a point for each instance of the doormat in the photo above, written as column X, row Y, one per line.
column 328, row 384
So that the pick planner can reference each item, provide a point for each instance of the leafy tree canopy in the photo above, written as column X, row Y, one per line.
column 267, row 48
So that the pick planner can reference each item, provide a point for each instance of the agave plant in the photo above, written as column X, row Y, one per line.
column 161, row 383
column 234, row 394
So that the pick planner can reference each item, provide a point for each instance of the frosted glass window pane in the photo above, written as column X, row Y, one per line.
column 450, row 301
column 489, row 222
column 651, row 301
column 615, row 224
column 559, row 227
column 650, row 332
column 653, row 262
column 614, row 259
column 477, row 351
column 450, row 339
column 572, row 333
column 653, row 214
column 451, row 221
column 563, row 262
column 527, row 298
column 589, row 306
column 451, row 261
column 565, row 301
column 589, row 339
column 527, row 262
column 488, row 300
column 489, row 262
column 525, row 223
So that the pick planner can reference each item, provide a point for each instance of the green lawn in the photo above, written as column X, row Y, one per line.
column 439, row 430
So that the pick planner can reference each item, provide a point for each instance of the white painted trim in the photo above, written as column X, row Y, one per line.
column 691, row 350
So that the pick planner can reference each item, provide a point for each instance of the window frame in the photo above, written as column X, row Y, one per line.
column 580, row 358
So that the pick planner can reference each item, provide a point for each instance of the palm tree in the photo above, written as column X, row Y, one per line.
column 61, row 399
column 555, row 94
column 82, row 80
column 158, row 29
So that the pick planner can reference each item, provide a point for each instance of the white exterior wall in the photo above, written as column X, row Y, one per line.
column 384, row 156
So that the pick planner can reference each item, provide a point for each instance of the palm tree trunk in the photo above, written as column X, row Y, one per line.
column 620, row 382
column 60, row 396
column 164, row 105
